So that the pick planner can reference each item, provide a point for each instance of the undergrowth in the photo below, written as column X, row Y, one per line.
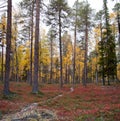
column 10, row 96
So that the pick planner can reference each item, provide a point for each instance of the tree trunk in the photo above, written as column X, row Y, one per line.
column 16, row 55
column 36, row 49
column 74, row 54
column 86, row 56
column 31, row 46
column 8, row 48
column 118, row 20
column 74, row 48
column 60, row 44
column 103, row 75
column 79, row 74
column 96, row 70
column 51, row 63
column 69, row 73
column 96, row 76
column 17, row 71
column 2, row 63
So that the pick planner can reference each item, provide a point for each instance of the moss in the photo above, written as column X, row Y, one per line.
column 0, row 115
column 11, row 96
column 38, row 94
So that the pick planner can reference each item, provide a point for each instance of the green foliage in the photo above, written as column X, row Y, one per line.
column 55, row 8
column 117, row 7
column 107, row 52
column 84, row 13
column 11, row 96
column 90, row 117
column 38, row 94
column 84, row 118
column 0, row 115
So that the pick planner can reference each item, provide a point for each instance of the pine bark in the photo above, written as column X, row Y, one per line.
column 60, row 44
column 86, row 53
column 51, row 58
column 31, row 49
column 8, row 48
column 36, row 49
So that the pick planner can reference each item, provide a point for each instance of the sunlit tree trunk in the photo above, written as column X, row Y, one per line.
column 36, row 49
column 74, row 53
column 17, row 71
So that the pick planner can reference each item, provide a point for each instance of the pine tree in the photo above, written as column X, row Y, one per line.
column 51, row 37
column 83, row 25
column 8, row 48
column 111, row 64
column 28, row 6
column 116, row 9
column 36, row 48
column 107, row 49
column 2, row 41
column 101, row 47
column 75, row 38
column 57, row 17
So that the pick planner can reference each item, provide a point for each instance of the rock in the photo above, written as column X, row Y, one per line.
column 31, row 113
column 16, row 120
column 46, row 115
column 32, row 120
column 71, row 89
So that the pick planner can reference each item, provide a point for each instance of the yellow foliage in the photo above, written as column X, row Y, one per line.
column 118, row 71
column 3, row 28
column 112, row 15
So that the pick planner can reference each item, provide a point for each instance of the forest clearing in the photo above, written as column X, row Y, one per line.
column 90, row 103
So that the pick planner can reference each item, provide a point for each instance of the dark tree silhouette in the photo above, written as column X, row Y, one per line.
column 8, row 48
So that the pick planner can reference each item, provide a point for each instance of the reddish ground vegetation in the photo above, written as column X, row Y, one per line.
column 91, row 103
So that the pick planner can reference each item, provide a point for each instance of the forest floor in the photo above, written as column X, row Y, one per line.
column 90, row 103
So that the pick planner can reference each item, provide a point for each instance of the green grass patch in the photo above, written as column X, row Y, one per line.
column 38, row 94
column 85, row 118
column 19, row 85
column 10, row 96
column 116, row 110
column 0, row 115
column 90, row 117
column 105, row 116
column 101, row 115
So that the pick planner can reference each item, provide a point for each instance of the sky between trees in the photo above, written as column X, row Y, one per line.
column 95, row 4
